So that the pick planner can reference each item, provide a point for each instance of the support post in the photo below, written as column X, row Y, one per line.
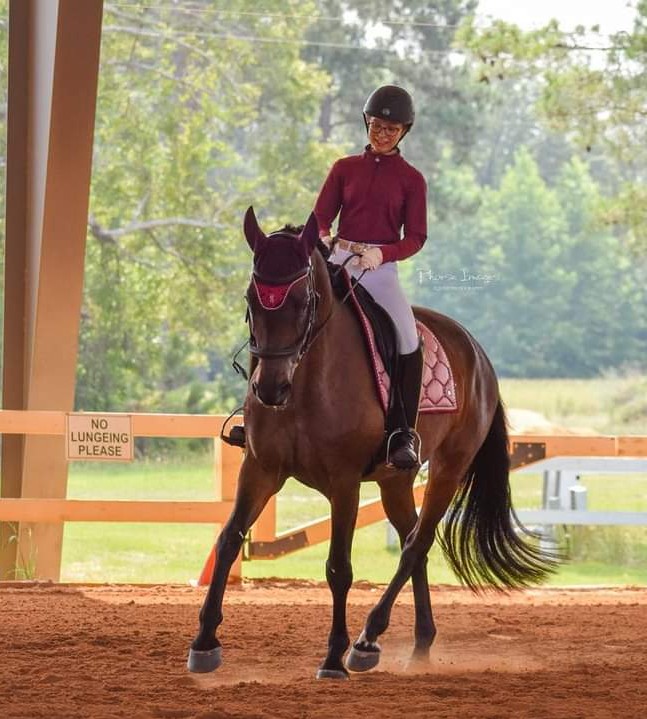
column 53, row 71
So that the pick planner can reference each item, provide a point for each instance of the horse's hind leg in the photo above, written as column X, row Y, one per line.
column 399, row 505
column 255, row 487
column 339, row 573
column 439, row 492
column 401, row 510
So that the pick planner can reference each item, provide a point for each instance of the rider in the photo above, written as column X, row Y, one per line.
column 381, row 202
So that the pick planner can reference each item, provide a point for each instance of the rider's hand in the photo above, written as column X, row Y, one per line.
column 371, row 259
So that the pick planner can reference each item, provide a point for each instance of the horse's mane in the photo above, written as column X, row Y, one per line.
column 291, row 229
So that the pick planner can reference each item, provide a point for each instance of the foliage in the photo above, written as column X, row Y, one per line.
column 185, row 141
column 622, row 546
column 547, row 292
column 593, row 88
column 26, row 559
column 629, row 400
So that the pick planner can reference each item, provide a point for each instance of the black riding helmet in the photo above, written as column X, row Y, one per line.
column 390, row 102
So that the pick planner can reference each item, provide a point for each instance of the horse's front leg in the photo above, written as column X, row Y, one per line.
column 255, row 488
column 339, row 573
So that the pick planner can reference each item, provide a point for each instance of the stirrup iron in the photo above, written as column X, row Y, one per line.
column 236, row 436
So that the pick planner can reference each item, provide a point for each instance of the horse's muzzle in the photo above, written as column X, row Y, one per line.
column 274, row 396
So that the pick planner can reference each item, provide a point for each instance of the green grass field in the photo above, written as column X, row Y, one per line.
column 175, row 553
column 604, row 405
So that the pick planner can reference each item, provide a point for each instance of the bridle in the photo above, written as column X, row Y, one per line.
column 303, row 342
column 309, row 335
column 301, row 346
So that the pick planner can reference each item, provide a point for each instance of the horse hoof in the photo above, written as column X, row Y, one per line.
column 360, row 660
column 201, row 662
column 332, row 674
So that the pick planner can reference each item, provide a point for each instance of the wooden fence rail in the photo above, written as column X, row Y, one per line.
column 144, row 425
column 28, row 509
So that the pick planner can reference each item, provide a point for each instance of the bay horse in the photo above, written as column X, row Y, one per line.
column 312, row 412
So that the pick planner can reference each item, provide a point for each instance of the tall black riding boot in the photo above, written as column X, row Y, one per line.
column 404, row 442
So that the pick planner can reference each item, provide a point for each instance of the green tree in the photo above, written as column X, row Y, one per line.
column 593, row 89
column 547, row 291
column 193, row 125
column 523, row 231
column 608, row 304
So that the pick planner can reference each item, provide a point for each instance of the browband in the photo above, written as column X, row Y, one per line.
column 272, row 296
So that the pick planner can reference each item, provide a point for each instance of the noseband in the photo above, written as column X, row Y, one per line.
column 302, row 344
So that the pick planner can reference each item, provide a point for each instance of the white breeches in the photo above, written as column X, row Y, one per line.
column 384, row 286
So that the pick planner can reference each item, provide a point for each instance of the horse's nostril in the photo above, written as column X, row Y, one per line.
column 272, row 396
column 284, row 389
column 282, row 393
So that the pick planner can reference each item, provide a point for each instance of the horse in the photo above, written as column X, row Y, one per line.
column 312, row 412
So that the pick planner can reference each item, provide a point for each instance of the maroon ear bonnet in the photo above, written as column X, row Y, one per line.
column 282, row 255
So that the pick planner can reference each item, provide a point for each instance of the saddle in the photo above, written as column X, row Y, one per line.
column 437, row 392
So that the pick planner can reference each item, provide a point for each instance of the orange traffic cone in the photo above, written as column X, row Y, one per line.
column 207, row 571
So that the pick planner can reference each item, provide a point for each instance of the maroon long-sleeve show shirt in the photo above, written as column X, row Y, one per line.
column 378, row 196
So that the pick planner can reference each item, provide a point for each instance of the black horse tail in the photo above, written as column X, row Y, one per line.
column 482, row 538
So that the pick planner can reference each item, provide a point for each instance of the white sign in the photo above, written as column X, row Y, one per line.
column 105, row 437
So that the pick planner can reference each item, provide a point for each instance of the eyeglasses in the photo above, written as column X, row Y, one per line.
column 388, row 130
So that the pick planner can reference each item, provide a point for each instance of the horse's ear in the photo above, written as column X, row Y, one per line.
column 310, row 233
column 253, row 233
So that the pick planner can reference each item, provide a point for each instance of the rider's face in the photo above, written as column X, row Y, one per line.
column 383, row 134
